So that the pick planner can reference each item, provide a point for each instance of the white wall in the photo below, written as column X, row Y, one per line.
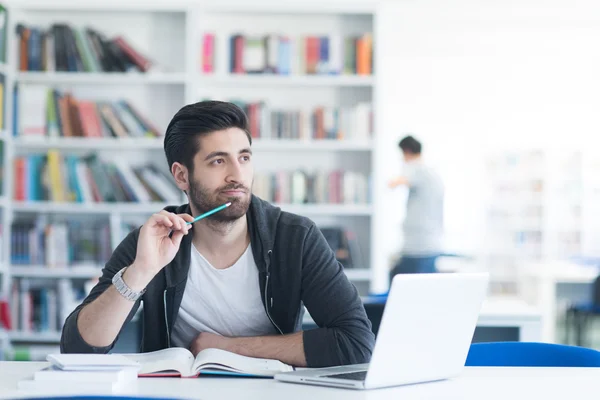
column 467, row 77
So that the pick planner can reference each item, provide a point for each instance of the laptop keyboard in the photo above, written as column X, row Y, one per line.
column 353, row 376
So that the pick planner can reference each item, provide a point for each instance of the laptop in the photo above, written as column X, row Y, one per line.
column 425, row 334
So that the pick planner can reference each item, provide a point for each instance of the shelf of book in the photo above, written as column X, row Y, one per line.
column 158, row 94
column 40, row 271
column 312, row 145
column 34, row 337
column 73, row 143
column 262, row 80
column 102, row 78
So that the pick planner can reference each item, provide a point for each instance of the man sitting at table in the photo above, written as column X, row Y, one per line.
column 236, row 280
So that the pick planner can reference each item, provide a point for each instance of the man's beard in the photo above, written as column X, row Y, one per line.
column 204, row 200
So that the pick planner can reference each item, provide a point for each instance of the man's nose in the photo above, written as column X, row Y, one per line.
column 234, row 174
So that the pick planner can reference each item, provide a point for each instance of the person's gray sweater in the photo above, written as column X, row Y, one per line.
column 296, row 267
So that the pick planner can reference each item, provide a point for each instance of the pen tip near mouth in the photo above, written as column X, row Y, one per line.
column 228, row 204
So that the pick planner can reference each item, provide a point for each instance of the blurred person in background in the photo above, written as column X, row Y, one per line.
column 423, row 224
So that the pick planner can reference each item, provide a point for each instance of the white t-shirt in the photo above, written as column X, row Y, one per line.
column 226, row 301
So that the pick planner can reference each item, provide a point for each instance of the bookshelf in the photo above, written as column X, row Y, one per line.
column 297, row 86
column 172, row 36
column 542, row 207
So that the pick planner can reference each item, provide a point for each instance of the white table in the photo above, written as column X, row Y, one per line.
column 550, row 285
column 474, row 383
column 508, row 311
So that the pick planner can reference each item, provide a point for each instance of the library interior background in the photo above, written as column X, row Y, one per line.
column 502, row 96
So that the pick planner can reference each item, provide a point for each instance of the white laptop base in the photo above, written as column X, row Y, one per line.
column 425, row 334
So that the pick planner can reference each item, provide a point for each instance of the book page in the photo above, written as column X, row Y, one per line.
column 227, row 361
column 172, row 359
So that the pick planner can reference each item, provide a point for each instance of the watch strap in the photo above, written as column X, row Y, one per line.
column 123, row 288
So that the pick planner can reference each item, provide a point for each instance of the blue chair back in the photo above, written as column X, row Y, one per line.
column 530, row 354
column 596, row 293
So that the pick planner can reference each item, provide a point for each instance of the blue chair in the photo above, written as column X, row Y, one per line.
column 530, row 354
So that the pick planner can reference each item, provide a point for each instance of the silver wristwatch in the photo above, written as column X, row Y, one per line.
column 123, row 289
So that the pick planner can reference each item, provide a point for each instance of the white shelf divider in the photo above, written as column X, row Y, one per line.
column 130, row 208
column 64, row 143
column 311, row 145
column 112, row 78
column 89, row 208
column 34, row 337
column 157, row 144
column 261, row 80
column 328, row 209
column 39, row 271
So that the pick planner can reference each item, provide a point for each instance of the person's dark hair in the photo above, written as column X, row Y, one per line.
column 195, row 120
column 410, row 145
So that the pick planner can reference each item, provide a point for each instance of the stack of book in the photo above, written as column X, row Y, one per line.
column 70, row 178
column 337, row 123
column 41, row 306
column 287, row 55
column 344, row 244
column 83, row 373
column 43, row 111
column 323, row 187
column 58, row 244
column 72, row 49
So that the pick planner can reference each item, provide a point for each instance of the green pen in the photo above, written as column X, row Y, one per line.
column 206, row 214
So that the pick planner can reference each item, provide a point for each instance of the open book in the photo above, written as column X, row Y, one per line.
column 178, row 361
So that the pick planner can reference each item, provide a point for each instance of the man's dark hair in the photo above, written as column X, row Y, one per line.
column 195, row 120
column 410, row 145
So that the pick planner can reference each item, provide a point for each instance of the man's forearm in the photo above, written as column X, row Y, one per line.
column 100, row 321
column 288, row 349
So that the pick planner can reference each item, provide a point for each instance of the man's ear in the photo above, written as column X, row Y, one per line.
column 181, row 175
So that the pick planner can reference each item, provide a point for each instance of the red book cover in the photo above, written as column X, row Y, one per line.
column 139, row 60
column 208, row 53
column 19, row 164
column 313, row 45
column 239, row 55
column 5, row 317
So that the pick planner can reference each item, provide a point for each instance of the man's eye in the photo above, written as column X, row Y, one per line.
column 218, row 161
